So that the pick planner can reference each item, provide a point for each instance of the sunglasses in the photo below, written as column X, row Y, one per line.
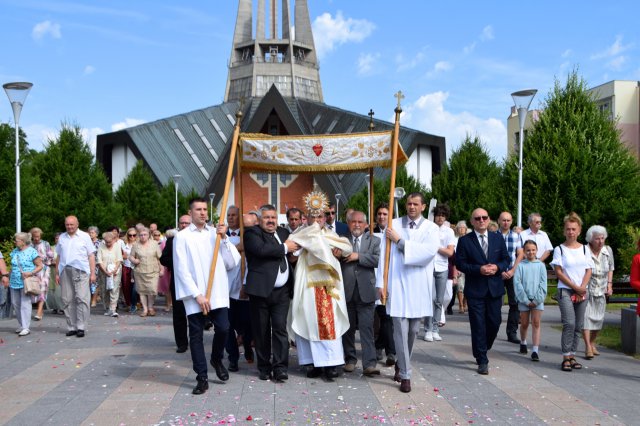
column 185, row 223
column 479, row 218
column 329, row 213
column 132, row 235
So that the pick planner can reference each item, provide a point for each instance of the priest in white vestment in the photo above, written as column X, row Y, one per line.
column 319, row 314
column 414, row 244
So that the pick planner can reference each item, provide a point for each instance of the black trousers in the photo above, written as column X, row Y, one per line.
column 179, row 319
column 514, row 314
column 240, row 324
column 484, row 318
column 220, row 319
column 385, row 335
column 269, row 320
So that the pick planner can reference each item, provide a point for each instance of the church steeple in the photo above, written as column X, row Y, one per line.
column 287, row 60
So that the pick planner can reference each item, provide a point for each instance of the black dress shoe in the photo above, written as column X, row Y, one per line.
column 233, row 367
column 483, row 369
column 71, row 333
column 281, row 376
column 221, row 371
column 314, row 372
column 182, row 349
column 396, row 377
column 264, row 375
column 80, row 333
column 331, row 372
column 405, row 385
column 201, row 387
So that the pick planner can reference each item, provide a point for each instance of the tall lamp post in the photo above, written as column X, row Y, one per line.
column 212, row 195
column 176, row 178
column 398, row 194
column 337, row 203
column 522, row 99
column 17, row 93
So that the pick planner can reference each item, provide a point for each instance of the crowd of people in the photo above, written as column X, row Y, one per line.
column 314, row 281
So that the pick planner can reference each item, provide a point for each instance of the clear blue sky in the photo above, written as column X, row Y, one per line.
column 107, row 64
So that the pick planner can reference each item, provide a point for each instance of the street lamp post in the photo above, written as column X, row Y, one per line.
column 212, row 195
column 17, row 93
column 176, row 178
column 337, row 203
column 398, row 194
column 522, row 99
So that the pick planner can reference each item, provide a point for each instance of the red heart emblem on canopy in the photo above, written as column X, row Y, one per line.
column 317, row 148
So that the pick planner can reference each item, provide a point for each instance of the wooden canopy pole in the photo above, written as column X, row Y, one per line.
column 392, row 188
column 225, row 199
column 240, row 211
column 371, row 202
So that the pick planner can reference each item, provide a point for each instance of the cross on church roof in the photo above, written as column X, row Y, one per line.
column 399, row 96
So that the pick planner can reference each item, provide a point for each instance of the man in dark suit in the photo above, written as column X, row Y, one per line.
column 332, row 221
column 359, row 278
column 179, row 313
column 269, row 285
column 482, row 256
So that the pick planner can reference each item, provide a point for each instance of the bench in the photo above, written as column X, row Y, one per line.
column 622, row 290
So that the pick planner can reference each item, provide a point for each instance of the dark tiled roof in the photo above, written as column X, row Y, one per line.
column 159, row 145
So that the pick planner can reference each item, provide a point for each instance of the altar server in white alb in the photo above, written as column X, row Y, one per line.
column 192, row 256
column 415, row 241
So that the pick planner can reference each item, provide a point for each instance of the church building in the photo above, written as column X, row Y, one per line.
column 274, row 78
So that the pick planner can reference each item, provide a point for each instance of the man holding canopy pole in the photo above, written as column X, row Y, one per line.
column 192, row 256
column 414, row 244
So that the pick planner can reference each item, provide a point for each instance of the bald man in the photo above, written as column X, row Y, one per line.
column 75, row 269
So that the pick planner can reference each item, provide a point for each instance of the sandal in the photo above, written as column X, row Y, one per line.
column 595, row 351
column 575, row 364
column 566, row 365
column 143, row 314
column 588, row 354
column 152, row 312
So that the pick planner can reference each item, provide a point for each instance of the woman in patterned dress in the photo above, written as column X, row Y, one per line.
column 46, row 254
column 600, row 285
column 145, row 255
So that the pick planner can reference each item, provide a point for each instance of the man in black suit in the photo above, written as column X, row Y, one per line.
column 269, row 285
column 482, row 256
column 179, row 313
column 332, row 221
column 359, row 278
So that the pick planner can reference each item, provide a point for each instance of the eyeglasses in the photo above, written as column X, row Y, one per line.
column 185, row 223
column 329, row 213
column 131, row 235
column 479, row 218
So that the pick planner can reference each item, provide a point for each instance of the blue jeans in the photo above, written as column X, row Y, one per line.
column 220, row 319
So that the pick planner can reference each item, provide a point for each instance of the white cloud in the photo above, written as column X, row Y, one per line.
column 367, row 63
column 89, row 69
column 405, row 64
column 429, row 114
column 487, row 33
column 566, row 53
column 615, row 49
column 38, row 135
column 617, row 63
column 440, row 66
column 42, row 29
column 90, row 136
column 330, row 32
column 128, row 122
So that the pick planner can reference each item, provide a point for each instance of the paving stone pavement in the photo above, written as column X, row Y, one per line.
column 126, row 372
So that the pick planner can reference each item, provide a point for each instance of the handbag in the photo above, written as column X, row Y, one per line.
column 31, row 284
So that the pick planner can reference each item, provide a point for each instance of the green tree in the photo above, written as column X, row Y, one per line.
column 30, row 191
column 574, row 160
column 72, row 183
column 470, row 180
column 359, row 201
column 139, row 196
